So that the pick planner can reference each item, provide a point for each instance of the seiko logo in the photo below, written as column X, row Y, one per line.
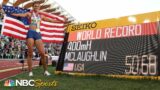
column 84, row 26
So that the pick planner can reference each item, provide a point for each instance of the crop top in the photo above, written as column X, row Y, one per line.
column 35, row 20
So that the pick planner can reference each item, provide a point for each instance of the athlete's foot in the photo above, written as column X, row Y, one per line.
column 46, row 73
column 30, row 74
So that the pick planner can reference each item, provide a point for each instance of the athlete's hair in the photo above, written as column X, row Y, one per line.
column 35, row 3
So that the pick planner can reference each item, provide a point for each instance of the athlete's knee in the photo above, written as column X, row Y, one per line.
column 30, row 54
column 42, row 54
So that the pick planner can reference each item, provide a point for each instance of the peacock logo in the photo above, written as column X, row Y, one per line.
column 9, row 83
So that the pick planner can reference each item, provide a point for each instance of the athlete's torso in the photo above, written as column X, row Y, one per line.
column 35, row 21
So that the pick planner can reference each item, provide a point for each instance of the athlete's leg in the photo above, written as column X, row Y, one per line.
column 40, row 47
column 30, row 44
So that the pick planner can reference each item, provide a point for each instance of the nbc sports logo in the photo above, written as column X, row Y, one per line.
column 9, row 83
column 22, row 82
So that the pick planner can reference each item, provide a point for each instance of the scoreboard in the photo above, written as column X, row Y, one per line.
column 113, row 46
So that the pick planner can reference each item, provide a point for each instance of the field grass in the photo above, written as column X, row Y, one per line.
column 67, row 82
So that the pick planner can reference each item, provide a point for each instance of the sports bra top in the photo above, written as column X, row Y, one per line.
column 35, row 20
